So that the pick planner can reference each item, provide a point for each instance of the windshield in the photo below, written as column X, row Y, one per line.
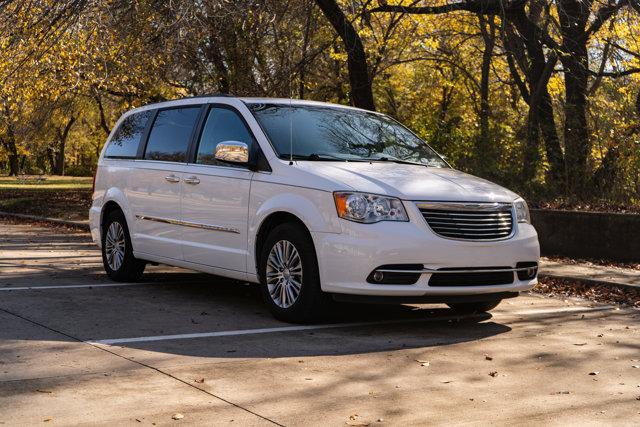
column 339, row 134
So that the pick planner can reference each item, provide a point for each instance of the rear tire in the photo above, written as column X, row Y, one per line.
column 473, row 307
column 117, row 251
column 289, row 277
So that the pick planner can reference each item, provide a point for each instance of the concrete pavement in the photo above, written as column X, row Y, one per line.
column 591, row 273
column 217, row 357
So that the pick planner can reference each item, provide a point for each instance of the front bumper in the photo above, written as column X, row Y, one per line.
column 346, row 259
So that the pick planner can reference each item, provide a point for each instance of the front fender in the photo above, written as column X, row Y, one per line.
column 315, row 208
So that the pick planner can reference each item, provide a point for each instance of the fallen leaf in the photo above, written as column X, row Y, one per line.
column 355, row 421
column 177, row 416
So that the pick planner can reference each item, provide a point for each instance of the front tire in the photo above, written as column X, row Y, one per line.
column 290, row 282
column 117, row 251
column 474, row 307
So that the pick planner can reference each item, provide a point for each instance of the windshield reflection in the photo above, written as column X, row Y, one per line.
column 339, row 134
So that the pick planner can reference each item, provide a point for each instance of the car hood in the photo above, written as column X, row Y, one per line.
column 409, row 182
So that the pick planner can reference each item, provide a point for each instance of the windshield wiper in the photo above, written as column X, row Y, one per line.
column 314, row 157
column 394, row 160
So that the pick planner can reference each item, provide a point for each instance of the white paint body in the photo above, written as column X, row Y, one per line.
column 347, row 251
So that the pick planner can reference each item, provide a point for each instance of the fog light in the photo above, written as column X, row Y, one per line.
column 531, row 270
column 378, row 276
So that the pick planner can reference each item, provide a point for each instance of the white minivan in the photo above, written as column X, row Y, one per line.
column 316, row 202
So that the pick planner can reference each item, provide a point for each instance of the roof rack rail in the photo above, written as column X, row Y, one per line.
column 209, row 95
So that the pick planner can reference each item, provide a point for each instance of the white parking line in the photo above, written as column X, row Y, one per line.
column 106, row 285
column 264, row 330
column 329, row 326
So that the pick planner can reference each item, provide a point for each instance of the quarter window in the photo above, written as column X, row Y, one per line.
column 170, row 134
column 126, row 138
column 222, row 125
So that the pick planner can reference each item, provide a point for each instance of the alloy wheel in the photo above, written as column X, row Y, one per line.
column 284, row 274
column 114, row 246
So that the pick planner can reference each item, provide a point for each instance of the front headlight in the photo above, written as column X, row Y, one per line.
column 522, row 211
column 369, row 208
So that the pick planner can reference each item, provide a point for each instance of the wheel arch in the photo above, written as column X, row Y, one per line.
column 270, row 222
column 110, row 206
column 313, row 210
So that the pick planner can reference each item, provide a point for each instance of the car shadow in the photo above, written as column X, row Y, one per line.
column 181, row 302
column 173, row 301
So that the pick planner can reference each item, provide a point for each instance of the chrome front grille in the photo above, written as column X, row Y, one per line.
column 469, row 221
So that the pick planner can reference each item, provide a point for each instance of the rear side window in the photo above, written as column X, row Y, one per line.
column 170, row 134
column 126, row 139
column 222, row 125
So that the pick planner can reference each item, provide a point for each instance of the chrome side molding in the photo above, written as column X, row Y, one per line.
column 189, row 224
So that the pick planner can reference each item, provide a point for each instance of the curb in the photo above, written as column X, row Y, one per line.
column 587, row 281
column 75, row 224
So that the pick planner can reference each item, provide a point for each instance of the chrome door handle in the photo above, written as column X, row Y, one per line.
column 193, row 180
column 172, row 178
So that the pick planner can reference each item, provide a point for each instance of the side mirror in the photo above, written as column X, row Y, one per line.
column 232, row 152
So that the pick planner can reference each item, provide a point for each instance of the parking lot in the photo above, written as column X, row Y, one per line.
column 182, row 347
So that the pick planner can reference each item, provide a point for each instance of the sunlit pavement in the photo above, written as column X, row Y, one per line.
column 78, row 349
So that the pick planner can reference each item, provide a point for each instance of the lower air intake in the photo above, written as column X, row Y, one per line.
column 492, row 278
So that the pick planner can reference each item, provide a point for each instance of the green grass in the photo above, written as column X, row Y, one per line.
column 59, row 197
column 50, row 182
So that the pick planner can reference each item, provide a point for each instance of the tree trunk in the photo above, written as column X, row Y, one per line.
column 59, row 161
column 540, row 117
column 103, row 119
column 58, row 154
column 9, row 143
column 359, row 79
column 215, row 55
column 576, row 135
column 14, row 165
column 573, row 16
column 483, row 147
column 556, row 174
